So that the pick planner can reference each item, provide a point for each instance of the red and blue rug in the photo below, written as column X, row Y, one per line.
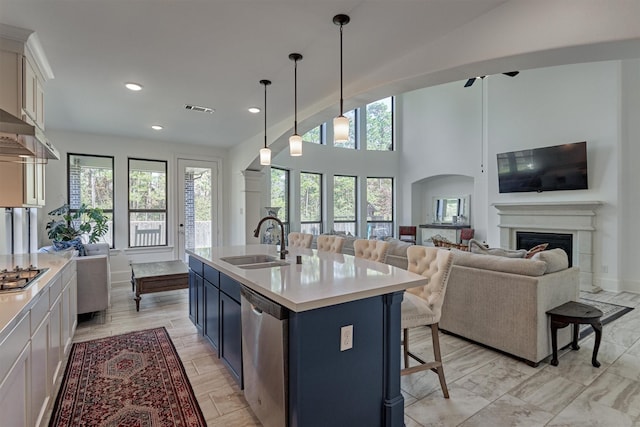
column 134, row 380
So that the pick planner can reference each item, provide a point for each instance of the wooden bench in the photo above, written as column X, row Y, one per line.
column 159, row 276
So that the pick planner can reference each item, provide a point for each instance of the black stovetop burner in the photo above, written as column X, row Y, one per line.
column 19, row 278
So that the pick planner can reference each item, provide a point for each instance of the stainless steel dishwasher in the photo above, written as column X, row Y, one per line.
column 265, row 357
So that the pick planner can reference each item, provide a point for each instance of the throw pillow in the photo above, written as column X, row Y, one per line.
column 556, row 260
column 534, row 250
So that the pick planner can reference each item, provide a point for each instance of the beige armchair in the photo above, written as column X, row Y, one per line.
column 375, row 250
column 299, row 240
column 94, row 279
column 330, row 243
column 422, row 306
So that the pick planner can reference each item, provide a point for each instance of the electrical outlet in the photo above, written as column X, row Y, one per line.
column 346, row 337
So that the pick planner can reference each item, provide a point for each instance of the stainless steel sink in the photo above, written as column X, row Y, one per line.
column 250, row 262
column 270, row 264
column 248, row 259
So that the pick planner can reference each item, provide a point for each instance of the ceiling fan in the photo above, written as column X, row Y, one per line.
column 473, row 79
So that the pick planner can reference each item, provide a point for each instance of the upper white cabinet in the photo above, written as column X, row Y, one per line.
column 32, row 92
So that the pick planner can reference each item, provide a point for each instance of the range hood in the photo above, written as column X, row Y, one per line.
column 19, row 138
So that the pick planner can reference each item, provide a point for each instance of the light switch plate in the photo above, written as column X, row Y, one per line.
column 346, row 337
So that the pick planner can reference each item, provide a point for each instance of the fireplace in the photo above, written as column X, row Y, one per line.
column 575, row 219
column 528, row 239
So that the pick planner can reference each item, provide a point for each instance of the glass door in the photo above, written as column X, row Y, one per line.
column 198, row 205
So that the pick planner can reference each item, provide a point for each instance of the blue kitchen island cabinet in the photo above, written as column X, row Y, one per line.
column 327, row 385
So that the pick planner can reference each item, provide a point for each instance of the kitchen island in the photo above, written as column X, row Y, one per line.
column 327, row 382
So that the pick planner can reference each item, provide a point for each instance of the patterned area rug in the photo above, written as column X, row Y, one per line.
column 610, row 312
column 134, row 380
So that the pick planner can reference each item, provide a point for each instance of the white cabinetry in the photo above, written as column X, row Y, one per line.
column 32, row 353
column 22, row 184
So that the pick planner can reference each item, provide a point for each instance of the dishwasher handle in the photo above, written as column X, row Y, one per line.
column 262, row 304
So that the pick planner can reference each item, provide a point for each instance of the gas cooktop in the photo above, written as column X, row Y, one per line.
column 18, row 279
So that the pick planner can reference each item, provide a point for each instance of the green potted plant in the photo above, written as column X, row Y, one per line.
column 71, row 226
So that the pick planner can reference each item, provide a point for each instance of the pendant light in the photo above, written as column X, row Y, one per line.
column 341, row 123
column 265, row 153
column 295, row 140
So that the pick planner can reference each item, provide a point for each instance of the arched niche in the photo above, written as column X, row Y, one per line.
column 426, row 190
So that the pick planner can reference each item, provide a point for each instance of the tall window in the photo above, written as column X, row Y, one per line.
column 280, row 195
column 311, row 203
column 353, row 124
column 147, row 203
column 90, row 181
column 345, row 212
column 380, row 125
column 315, row 135
column 379, row 207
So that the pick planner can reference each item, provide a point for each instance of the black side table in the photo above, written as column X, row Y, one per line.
column 575, row 313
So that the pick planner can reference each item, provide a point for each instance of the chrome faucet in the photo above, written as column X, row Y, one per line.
column 256, row 233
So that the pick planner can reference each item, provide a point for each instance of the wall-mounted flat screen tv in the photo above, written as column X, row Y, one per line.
column 560, row 167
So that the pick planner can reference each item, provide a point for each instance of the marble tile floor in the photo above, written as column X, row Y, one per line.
column 486, row 387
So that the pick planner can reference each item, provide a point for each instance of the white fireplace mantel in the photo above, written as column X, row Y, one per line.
column 575, row 218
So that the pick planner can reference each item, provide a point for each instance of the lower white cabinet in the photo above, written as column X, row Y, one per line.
column 32, row 353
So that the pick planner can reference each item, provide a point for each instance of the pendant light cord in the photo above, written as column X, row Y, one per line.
column 265, row 115
column 295, row 97
column 341, row 100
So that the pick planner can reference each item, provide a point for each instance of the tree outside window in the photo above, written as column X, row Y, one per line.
column 314, row 136
column 345, row 204
column 280, row 194
column 380, row 125
column 379, row 207
column 311, row 203
column 90, row 182
column 147, row 203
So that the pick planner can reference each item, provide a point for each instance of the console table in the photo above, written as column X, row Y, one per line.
column 159, row 276
column 450, row 232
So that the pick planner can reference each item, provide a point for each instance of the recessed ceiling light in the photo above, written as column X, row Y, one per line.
column 254, row 110
column 157, row 127
column 133, row 86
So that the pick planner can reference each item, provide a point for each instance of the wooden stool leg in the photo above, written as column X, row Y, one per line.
column 405, row 346
column 436, row 353
column 597, row 328
column 574, row 344
column 554, row 341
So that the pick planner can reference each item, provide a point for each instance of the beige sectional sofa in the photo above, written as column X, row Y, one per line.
column 502, row 302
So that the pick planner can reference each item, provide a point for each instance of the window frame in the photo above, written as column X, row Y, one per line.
column 321, row 201
column 393, row 213
column 166, row 204
column 366, row 124
column 355, row 205
column 108, row 212
column 287, row 175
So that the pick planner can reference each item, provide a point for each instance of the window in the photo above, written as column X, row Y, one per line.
column 379, row 207
column 147, row 203
column 280, row 195
column 90, row 182
column 380, row 125
column 311, row 203
column 353, row 123
column 345, row 212
column 315, row 135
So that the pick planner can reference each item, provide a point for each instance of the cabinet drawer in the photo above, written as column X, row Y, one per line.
column 55, row 289
column 230, row 287
column 39, row 311
column 68, row 272
column 195, row 265
column 13, row 345
column 212, row 275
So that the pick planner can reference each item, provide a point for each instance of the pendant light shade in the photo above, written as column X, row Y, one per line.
column 265, row 153
column 341, row 123
column 295, row 140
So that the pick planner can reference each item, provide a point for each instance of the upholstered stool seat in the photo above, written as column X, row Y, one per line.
column 299, row 240
column 375, row 250
column 330, row 243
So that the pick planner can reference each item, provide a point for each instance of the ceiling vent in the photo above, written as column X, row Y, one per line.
column 199, row 108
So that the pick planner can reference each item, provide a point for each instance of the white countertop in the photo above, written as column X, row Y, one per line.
column 12, row 304
column 323, row 279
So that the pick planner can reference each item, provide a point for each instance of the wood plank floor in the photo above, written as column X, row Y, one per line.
column 486, row 387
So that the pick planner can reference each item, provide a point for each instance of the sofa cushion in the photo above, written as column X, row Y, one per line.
column 525, row 267
column 478, row 248
column 556, row 259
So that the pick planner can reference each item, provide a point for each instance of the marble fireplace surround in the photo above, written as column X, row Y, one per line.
column 576, row 218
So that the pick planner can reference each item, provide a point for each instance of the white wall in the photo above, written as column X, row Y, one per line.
column 443, row 131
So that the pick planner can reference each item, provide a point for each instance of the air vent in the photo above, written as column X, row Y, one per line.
column 199, row 108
